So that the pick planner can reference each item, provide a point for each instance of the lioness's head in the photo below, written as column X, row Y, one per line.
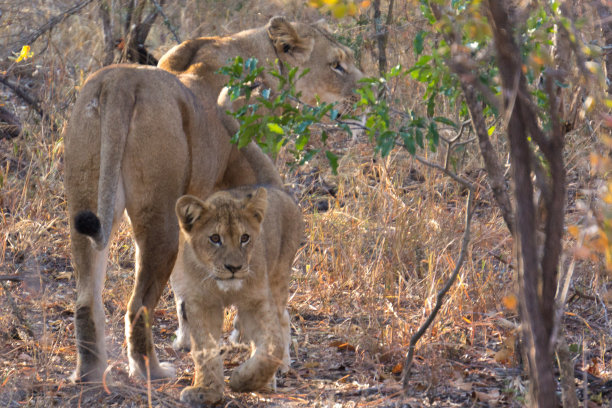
column 332, row 73
column 221, row 232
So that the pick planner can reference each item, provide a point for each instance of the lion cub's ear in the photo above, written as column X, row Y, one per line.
column 257, row 203
column 287, row 42
column 188, row 210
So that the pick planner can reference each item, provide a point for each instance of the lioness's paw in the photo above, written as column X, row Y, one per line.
column 200, row 396
column 156, row 372
column 164, row 370
column 181, row 343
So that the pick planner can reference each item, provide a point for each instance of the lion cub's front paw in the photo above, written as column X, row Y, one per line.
column 243, row 382
column 200, row 396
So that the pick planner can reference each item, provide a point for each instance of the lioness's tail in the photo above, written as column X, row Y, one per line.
column 116, row 109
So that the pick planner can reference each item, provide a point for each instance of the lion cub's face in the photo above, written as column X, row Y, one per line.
column 221, row 233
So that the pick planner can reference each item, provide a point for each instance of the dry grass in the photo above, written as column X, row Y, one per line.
column 364, row 281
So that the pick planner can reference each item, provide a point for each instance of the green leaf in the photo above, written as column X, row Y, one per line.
column 386, row 142
column 301, row 141
column 433, row 136
column 431, row 105
column 324, row 137
column 409, row 144
column 308, row 156
column 418, row 42
column 446, row 121
column 333, row 161
column 275, row 128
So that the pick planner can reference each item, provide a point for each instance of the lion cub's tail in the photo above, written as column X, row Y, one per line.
column 116, row 110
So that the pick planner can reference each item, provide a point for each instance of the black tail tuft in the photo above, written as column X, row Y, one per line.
column 87, row 223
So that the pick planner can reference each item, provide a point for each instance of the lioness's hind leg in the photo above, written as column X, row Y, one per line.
column 90, row 268
column 156, row 249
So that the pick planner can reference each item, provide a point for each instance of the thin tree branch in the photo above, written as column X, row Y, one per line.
column 167, row 23
column 107, row 30
column 16, row 311
column 29, row 40
column 20, row 92
column 442, row 293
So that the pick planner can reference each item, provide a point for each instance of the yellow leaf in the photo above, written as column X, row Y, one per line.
column 24, row 54
column 398, row 368
column 339, row 10
column 364, row 4
column 589, row 103
column 315, row 3
column 574, row 231
column 352, row 9
column 537, row 59
column 510, row 302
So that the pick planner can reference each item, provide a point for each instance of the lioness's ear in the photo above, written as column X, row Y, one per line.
column 257, row 204
column 188, row 210
column 287, row 41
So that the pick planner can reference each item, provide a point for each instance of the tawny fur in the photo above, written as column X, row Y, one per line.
column 236, row 248
column 140, row 137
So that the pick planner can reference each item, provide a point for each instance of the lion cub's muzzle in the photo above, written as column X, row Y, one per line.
column 231, row 276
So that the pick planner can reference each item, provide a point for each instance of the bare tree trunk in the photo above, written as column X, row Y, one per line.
column 381, row 31
column 136, row 32
column 494, row 169
column 605, row 17
column 537, row 275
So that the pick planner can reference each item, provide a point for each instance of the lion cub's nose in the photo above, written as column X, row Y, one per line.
column 232, row 268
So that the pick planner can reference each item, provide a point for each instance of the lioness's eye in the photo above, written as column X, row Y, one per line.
column 215, row 239
column 245, row 238
column 336, row 66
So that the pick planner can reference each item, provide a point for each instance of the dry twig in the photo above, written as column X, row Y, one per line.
column 442, row 293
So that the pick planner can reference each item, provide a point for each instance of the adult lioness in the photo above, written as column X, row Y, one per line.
column 139, row 138
column 236, row 248
column 332, row 72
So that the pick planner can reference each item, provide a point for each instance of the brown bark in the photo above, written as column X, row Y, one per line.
column 605, row 18
column 495, row 173
column 381, row 31
column 136, row 31
column 537, row 279
column 9, row 124
column 107, row 30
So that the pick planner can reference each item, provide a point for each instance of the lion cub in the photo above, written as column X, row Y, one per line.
column 236, row 248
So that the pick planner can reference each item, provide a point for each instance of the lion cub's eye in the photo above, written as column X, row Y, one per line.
column 337, row 66
column 245, row 238
column 215, row 239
